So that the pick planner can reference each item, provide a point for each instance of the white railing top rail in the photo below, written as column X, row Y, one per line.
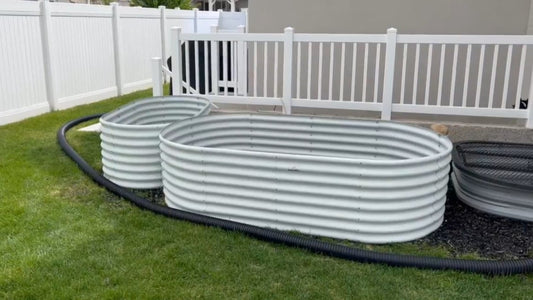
column 365, row 38
column 465, row 39
column 321, row 37
column 278, row 37
column 224, row 36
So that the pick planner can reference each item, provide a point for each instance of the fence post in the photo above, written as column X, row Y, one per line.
column 195, row 10
column 245, row 11
column 176, row 61
column 242, row 80
column 214, row 62
column 45, row 22
column 116, row 47
column 529, row 122
column 288, row 39
column 163, row 25
column 388, row 78
column 157, row 77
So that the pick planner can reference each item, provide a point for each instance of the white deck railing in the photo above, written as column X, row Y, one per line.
column 463, row 75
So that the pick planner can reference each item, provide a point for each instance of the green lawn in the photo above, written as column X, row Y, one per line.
column 61, row 236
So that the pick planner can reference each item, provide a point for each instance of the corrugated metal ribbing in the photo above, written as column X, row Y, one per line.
column 495, row 177
column 22, row 83
column 492, row 197
column 130, row 142
column 83, row 55
column 368, row 181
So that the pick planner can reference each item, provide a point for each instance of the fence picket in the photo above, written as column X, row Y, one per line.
column 276, row 65
column 493, row 75
column 365, row 73
column 441, row 73
column 233, row 75
column 415, row 73
column 376, row 72
column 331, row 60
column 215, row 60
column 187, row 78
column 206, row 73
column 506, row 77
column 255, row 69
column 354, row 70
column 298, row 69
column 224, row 65
column 520, row 76
column 309, row 68
column 341, row 74
column 529, row 116
column 265, row 69
column 480, row 75
column 454, row 75
column 428, row 74
column 196, row 67
column 404, row 67
column 320, row 71
column 467, row 75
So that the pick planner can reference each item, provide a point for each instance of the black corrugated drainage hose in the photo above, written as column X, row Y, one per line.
column 491, row 267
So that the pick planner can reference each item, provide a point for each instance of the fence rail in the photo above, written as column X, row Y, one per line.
column 464, row 75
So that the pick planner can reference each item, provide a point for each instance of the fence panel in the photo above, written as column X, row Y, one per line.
column 21, row 63
column 206, row 19
column 57, row 55
column 317, row 63
column 81, row 46
column 484, row 75
column 140, row 40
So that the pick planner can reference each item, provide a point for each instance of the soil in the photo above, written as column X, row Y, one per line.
column 468, row 230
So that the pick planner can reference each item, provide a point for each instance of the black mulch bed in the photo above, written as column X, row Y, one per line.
column 467, row 230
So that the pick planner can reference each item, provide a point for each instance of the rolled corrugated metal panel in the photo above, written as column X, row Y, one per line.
column 369, row 181
column 496, row 178
column 130, row 137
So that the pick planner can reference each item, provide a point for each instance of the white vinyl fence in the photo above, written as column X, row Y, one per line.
column 463, row 75
column 58, row 55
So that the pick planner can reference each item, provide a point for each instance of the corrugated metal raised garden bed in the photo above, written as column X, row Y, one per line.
column 130, row 142
column 369, row 181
